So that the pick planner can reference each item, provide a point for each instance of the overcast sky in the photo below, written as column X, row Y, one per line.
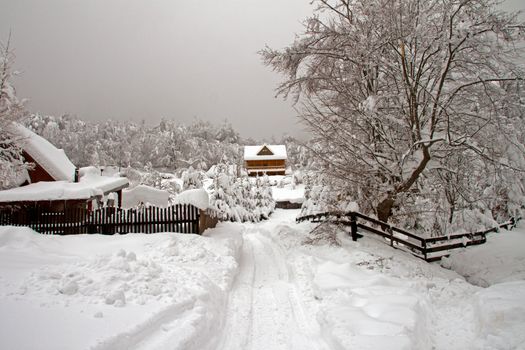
column 147, row 59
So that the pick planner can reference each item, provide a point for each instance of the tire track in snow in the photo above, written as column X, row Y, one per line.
column 265, row 310
column 148, row 334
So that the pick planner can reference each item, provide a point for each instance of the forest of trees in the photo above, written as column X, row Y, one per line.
column 168, row 146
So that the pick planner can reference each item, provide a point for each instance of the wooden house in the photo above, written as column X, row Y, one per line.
column 54, row 183
column 50, row 162
column 265, row 159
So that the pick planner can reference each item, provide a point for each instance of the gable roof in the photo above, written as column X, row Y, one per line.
column 53, row 160
column 261, row 152
column 265, row 151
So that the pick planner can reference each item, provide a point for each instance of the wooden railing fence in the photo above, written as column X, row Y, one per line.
column 182, row 218
column 428, row 249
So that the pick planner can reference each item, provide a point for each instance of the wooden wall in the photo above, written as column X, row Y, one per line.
column 265, row 163
column 37, row 173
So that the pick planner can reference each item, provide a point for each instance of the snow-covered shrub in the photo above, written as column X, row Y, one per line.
column 151, row 177
column 133, row 175
column 297, row 177
column 191, row 179
column 264, row 202
column 322, row 194
column 155, row 179
column 222, row 201
column 237, row 199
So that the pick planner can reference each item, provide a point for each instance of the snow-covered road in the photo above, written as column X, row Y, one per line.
column 264, row 309
column 253, row 286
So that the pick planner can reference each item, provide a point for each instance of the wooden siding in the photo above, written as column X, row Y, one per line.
column 265, row 163
column 269, row 167
column 38, row 173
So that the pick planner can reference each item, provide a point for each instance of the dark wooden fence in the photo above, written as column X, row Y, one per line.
column 429, row 249
column 182, row 218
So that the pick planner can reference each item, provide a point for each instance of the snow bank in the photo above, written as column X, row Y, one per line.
column 501, row 259
column 500, row 311
column 366, row 295
column 197, row 197
column 288, row 193
column 113, row 292
column 18, row 238
column 365, row 310
column 144, row 194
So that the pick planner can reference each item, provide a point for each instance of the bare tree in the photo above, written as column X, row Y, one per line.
column 391, row 90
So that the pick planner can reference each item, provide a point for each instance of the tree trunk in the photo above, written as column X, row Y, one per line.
column 384, row 208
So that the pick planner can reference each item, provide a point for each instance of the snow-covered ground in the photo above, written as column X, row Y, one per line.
column 270, row 285
column 114, row 292
column 501, row 259
column 288, row 193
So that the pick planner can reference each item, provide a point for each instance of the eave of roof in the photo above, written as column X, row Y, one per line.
column 63, row 190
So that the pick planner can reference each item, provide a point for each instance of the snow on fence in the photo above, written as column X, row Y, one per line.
column 428, row 249
column 184, row 218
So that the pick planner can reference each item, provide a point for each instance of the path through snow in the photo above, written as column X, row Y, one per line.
column 265, row 310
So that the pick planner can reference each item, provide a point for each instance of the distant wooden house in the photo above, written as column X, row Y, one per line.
column 265, row 159
column 54, row 183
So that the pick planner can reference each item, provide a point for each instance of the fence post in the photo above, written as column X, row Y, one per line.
column 391, row 232
column 353, row 226
column 197, row 217
column 424, row 249
column 89, row 217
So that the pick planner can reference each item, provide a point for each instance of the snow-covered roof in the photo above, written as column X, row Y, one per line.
column 52, row 159
column 144, row 194
column 88, row 187
column 47, row 191
column 106, row 184
column 90, row 176
column 253, row 152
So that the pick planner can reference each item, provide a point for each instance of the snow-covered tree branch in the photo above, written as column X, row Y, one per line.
column 12, row 164
column 393, row 91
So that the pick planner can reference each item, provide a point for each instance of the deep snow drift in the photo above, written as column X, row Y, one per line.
column 113, row 292
column 271, row 285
